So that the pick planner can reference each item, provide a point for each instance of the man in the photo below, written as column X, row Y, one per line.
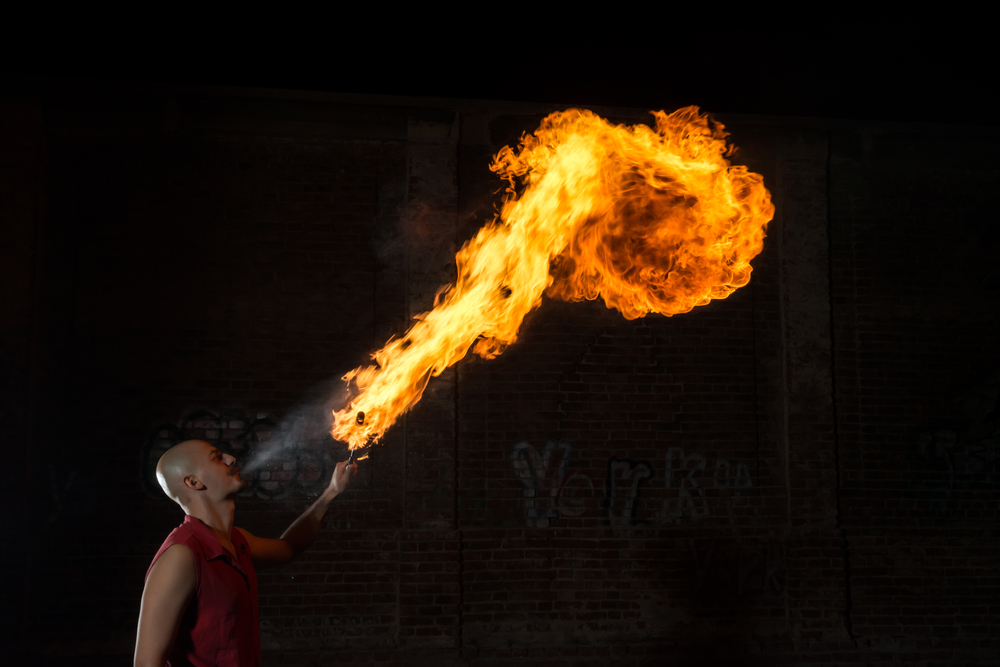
column 199, row 606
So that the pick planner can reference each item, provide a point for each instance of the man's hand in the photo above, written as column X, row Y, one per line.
column 341, row 478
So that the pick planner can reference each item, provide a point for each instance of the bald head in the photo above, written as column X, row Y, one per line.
column 199, row 473
column 180, row 461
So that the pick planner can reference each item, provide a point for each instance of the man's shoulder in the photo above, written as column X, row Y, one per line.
column 179, row 536
column 187, row 534
column 178, row 553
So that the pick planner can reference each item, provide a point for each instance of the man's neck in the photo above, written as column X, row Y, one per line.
column 217, row 516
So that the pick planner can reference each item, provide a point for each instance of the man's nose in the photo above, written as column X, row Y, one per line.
column 228, row 459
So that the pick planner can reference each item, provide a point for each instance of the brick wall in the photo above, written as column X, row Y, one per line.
column 916, row 368
column 801, row 473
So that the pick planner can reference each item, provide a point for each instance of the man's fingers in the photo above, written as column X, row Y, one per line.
column 345, row 469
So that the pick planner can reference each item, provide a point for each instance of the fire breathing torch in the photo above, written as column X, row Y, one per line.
column 359, row 420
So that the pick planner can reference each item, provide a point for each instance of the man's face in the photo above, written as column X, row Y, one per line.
column 220, row 472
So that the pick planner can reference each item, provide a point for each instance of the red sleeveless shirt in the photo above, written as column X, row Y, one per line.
column 221, row 626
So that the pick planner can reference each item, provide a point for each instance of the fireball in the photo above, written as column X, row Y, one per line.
column 651, row 220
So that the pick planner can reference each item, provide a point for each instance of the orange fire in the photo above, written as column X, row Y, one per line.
column 652, row 221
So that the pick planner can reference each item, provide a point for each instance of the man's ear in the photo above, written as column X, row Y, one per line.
column 190, row 482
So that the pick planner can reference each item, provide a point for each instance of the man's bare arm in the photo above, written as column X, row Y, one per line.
column 169, row 587
column 303, row 531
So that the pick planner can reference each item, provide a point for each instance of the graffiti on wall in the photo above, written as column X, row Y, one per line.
column 971, row 448
column 968, row 450
column 279, row 459
column 542, row 474
column 552, row 491
column 687, row 476
column 625, row 477
column 724, row 565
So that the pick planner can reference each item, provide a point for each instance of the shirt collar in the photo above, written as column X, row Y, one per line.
column 209, row 542
column 213, row 549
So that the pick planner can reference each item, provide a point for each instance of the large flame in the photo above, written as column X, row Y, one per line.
column 652, row 221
